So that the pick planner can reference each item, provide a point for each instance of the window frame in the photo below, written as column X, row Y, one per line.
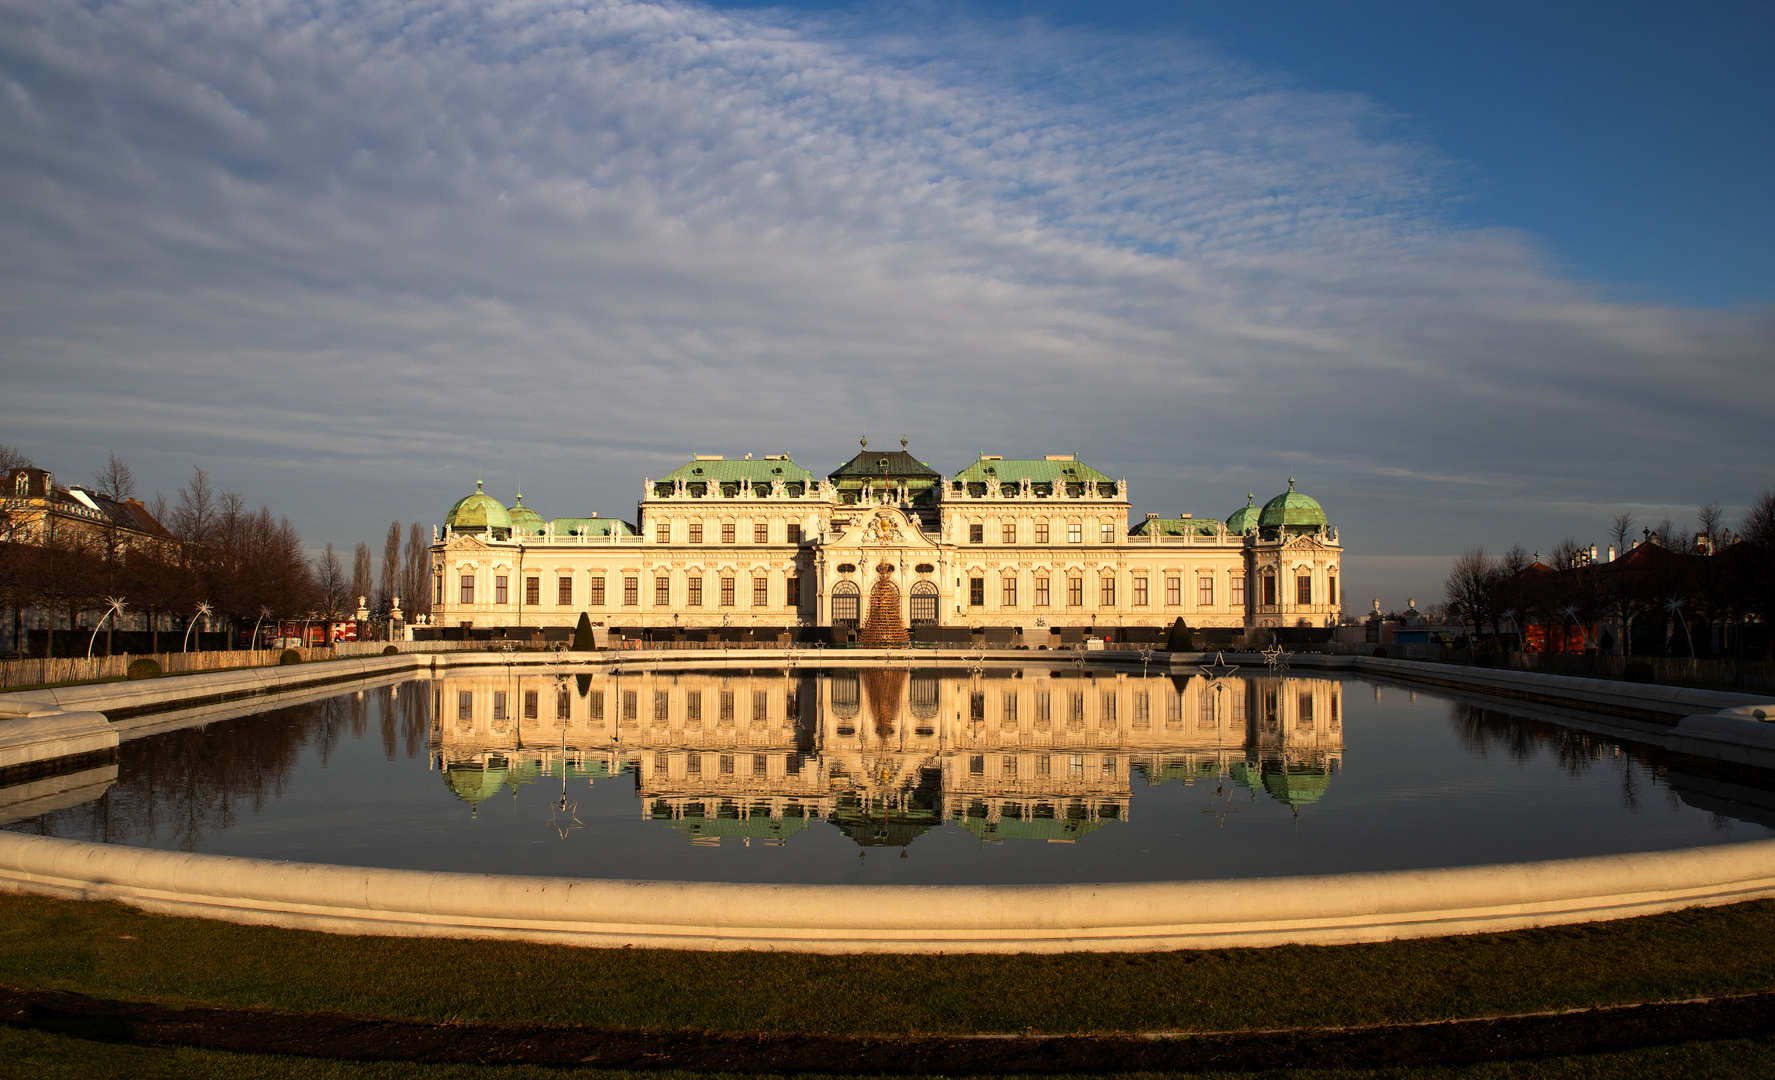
column 501, row 589
column 976, row 592
column 1075, row 532
column 1042, row 583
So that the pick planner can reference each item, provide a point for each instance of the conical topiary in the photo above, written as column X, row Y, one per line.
column 1181, row 638
column 583, row 641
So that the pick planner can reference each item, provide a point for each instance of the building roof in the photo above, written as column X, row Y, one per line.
column 703, row 469
column 1175, row 527
column 1244, row 519
column 1292, row 510
column 524, row 519
column 478, row 511
column 1040, row 471
column 893, row 464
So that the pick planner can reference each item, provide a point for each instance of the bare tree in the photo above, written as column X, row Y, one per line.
column 362, row 574
column 115, row 480
column 1515, row 561
column 1566, row 554
column 1710, row 521
column 1621, row 531
column 1470, row 587
column 391, row 568
column 331, row 584
column 194, row 515
column 418, row 559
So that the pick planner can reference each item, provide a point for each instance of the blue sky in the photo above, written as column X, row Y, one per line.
column 1481, row 274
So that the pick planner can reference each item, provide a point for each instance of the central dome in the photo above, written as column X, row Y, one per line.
column 480, row 513
column 1293, row 512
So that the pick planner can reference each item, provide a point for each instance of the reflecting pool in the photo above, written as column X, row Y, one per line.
column 994, row 776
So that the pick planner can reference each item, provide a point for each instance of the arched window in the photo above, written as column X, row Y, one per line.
column 924, row 604
column 847, row 605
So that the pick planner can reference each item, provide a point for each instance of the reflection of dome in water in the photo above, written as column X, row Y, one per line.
column 1295, row 784
column 475, row 783
column 872, row 825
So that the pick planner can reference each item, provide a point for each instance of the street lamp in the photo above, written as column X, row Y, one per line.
column 203, row 612
column 116, row 608
column 264, row 613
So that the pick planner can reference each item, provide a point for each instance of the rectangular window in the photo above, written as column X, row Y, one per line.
column 761, row 532
column 695, row 599
column 1174, row 710
column 662, row 706
column 1075, row 766
column 564, row 592
column 1205, row 592
column 468, row 588
column 564, row 705
column 1205, row 711
column 1109, row 764
column 437, row 590
column 1075, row 592
column 726, row 716
column 1008, row 718
column 1108, row 530
column 1269, row 590
column 631, row 592
column 662, row 532
column 1106, row 717
column 1041, row 592
column 1044, row 766
column 1303, row 589
column 726, row 764
column 729, row 532
column 1239, row 707
column 1305, row 721
column 530, row 705
column 500, row 594
column 630, row 708
column 1008, row 768
column 1042, row 714
column 1041, row 532
column 1075, row 533
column 1076, row 719
column 1237, row 589
column 977, row 707
column 760, row 706
column 795, row 532
column 792, row 592
column 662, row 591
column 977, row 765
column 976, row 592
column 1331, row 589
column 760, row 591
column 693, row 765
column 465, row 705
column 1009, row 584
column 1173, row 591
column 1142, row 709
column 976, row 534
column 597, row 597
column 1108, row 589
column 760, row 764
column 693, row 708
column 595, row 705
column 533, row 591
column 696, row 532
column 726, row 592
column 1008, row 533
column 1139, row 592
column 499, row 704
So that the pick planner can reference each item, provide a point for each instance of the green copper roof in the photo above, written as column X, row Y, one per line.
column 473, row 783
column 1041, row 828
column 759, row 471
column 1296, row 785
column 1174, row 527
column 1292, row 510
column 524, row 519
column 1013, row 470
column 476, row 512
column 565, row 527
column 753, row 827
column 1244, row 519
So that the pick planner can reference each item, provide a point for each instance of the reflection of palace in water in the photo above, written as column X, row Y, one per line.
column 885, row 754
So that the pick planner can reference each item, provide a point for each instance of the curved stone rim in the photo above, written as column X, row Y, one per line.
column 1119, row 917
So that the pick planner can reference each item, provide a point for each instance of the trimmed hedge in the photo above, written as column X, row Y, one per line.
column 145, row 668
column 290, row 656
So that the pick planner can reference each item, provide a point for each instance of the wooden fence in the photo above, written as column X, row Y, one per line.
column 65, row 669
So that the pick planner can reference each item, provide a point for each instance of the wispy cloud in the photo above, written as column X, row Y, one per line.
column 359, row 251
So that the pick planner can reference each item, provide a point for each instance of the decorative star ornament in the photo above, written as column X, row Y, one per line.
column 1220, row 669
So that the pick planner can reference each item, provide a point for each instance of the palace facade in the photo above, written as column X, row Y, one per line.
column 884, row 549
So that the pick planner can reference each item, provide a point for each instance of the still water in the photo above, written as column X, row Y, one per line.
column 1011, row 775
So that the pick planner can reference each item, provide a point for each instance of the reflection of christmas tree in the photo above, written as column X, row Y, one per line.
column 885, row 688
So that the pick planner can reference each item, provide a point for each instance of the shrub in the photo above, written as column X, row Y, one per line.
column 1381, row 652
column 1638, row 671
column 389, row 650
column 145, row 668
column 290, row 656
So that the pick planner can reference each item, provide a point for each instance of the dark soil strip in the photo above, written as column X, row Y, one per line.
column 334, row 1035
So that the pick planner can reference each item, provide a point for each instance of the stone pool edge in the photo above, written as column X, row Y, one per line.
column 1122, row 917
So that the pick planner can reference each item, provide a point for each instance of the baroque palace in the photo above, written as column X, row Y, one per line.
column 884, row 550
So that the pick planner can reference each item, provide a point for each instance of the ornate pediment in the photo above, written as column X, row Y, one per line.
column 880, row 528
column 470, row 542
